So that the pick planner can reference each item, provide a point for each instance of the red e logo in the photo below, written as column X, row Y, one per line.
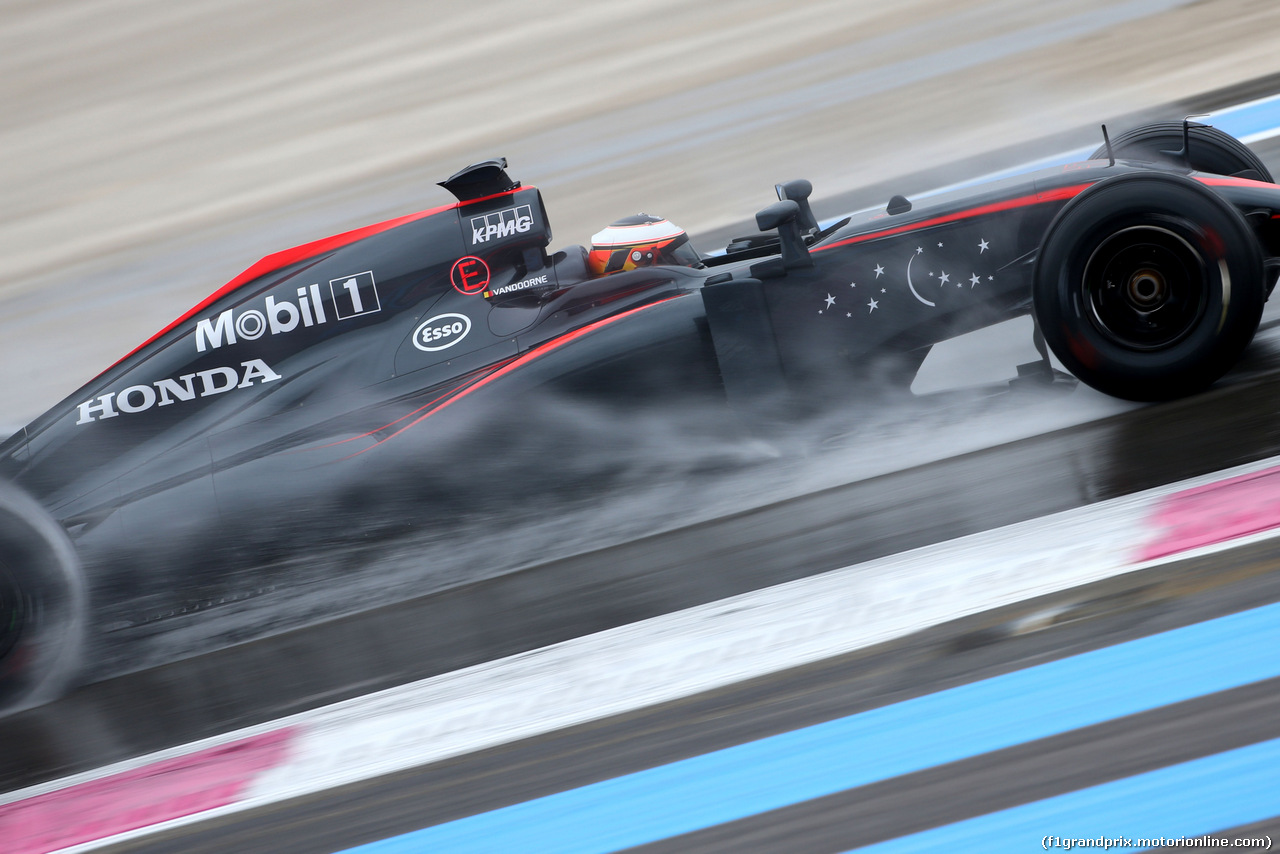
column 469, row 275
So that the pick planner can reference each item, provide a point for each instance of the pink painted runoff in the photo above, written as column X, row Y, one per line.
column 1215, row 513
column 141, row 797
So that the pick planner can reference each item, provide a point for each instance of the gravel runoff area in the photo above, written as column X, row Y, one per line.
column 153, row 150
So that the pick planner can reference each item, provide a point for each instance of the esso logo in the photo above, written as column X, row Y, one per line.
column 441, row 332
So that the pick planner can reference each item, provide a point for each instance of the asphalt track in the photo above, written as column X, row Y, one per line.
column 944, row 658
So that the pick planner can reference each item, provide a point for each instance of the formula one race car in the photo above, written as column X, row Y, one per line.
column 348, row 390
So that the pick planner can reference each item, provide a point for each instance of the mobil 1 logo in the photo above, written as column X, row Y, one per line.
column 354, row 295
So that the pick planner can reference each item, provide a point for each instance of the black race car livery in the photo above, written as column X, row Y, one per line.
column 295, row 403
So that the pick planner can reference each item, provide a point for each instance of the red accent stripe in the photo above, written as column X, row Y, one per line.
column 1234, row 182
column 480, row 374
column 280, row 260
column 982, row 210
column 540, row 350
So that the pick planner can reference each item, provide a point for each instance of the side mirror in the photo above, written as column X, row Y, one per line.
column 799, row 191
column 784, row 216
column 777, row 213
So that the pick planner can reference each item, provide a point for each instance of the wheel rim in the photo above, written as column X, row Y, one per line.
column 12, row 613
column 1144, row 288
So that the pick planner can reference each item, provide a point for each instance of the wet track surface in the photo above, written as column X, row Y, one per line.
column 962, row 652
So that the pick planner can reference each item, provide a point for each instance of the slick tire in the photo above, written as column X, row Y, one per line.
column 1212, row 150
column 1148, row 286
column 42, row 604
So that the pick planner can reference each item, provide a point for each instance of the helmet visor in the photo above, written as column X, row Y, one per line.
column 680, row 251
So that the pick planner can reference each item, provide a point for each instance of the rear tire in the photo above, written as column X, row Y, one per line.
column 1212, row 150
column 1148, row 286
column 42, row 604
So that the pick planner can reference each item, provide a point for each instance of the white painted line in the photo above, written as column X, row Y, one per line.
column 703, row 648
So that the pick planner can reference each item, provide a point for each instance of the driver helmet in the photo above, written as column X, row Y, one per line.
column 640, row 241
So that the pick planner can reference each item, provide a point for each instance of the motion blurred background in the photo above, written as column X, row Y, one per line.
column 152, row 150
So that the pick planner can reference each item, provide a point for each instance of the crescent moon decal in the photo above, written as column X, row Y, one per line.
column 914, row 293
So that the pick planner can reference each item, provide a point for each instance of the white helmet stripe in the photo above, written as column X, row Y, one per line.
column 627, row 235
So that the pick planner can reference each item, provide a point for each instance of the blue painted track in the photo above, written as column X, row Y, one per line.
column 1192, row 799
column 962, row 722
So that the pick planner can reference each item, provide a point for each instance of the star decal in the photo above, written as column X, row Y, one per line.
column 944, row 278
column 830, row 300
column 883, row 291
column 879, row 271
column 919, row 250
column 982, row 246
column 873, row 306
column 974, row 279
column 853, row 284
column 848, row 314
column 939, row 244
